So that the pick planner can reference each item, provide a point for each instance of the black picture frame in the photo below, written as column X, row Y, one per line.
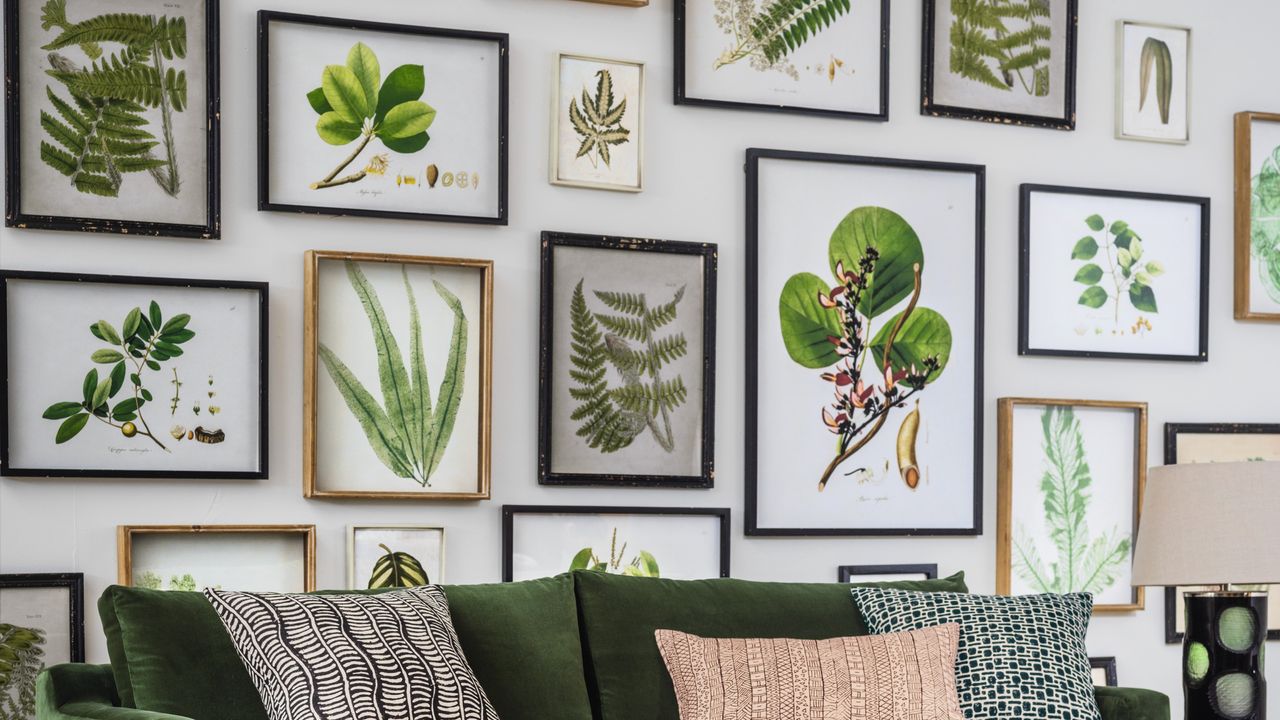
column 73, row 582
column 847, row 573
column 14, row 217
column 1024, row 270
column 1107, row 664
column 928, row 107
column 682, row 97
column 710, row 257
column 264, row 337
column 266, row 17
column 751, row 432
column 510, row 511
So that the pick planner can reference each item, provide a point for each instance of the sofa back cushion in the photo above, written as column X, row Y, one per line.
column 619, row 614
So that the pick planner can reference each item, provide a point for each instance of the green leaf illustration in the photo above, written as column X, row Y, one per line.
column 450, row 395
column 345, row 93
column 318, row 101
column 1156, row 60
column 1143, row 297
column 382, row 436
column 806, row 325
column 22, row 657
column 404, row 84
column 364, row 66
column 599, row 121
column 62, row 410
column 1264, row 220
column 397, row 570
column 336, row 130
column 1094, row 297
column 1085, row 249
column 925, row 334
column 406, row 119
column 986, row 49
column 70, row 428
column 643, row 564
column 777, row 29
column 600, row 422
column 1089, row 274
column 899, row 249
column 106, row 356
column 1095, row 223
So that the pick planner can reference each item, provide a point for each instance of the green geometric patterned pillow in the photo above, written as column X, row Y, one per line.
column 1020, row 657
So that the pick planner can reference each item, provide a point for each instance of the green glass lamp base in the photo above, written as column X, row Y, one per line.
column 1222, row 656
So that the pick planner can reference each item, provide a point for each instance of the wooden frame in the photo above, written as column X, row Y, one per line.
column 1107, row 664
column 1066, row 122
column 126, row 533
column 557, row 118
column 311, row 369
column 847, row 573
column 211, row 229
column 682, row 98
column 266, row 17
column 1120, row 81
column 73, row 582
column 1004, row 481
column 264, row 407
column 710, row 259
column 351, row 547
column 1244, row 210
column 510, row 511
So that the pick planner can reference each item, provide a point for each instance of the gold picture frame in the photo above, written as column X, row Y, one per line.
column 1005, row 543
column 127, row 534
column 312, row 371
column 1244, row 210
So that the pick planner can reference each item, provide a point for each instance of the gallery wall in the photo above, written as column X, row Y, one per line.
column 694, row 191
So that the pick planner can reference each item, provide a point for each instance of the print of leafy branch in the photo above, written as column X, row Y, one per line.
column 1265, row 221
column 982, row 43
column 21, row 660
column 1129, row 276
column 642, row 565
column 408, row 436
column 611, row 417
column 1084, row 563
column 599, row 122
column 768, row 35
column 1156, row 58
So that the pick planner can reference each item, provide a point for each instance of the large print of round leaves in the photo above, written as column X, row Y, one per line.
column 806, row 325
column 925, row 334
column 900, row 251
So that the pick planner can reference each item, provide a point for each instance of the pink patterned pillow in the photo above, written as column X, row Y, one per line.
column 900, row 676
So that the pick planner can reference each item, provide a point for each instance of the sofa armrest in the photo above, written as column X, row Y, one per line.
column 76, row 691
column 1132, row 704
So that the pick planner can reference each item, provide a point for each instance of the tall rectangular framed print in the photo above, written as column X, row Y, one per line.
column 1257, row 295
column 381, row 120
column 1071, row 476
column 1012, row 63
column 628, row 362
column 41, row 625
column 864, row 345
column 1153, row 82
column 597, row 123
column 254, row 558
column 1113, row 274
column 112, row 116
column 817, row 57
column 397, row 371
column 394, row 556
column 114, row 376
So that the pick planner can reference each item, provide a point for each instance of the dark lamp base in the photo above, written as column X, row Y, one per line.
column 1222, row 663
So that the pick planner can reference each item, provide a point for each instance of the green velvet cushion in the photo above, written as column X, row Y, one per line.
column 1131, row 704
column 619, row 614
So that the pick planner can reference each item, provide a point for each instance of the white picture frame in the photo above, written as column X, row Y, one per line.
column 429, row 549
column 1142, row 113
column 606, row 165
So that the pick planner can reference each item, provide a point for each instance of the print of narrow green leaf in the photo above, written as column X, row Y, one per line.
column 397, row 394
column 382, row 437
column 71, row 427
column 1157, row 60
column 423, row 421
column 450, row 395
column 397, row 570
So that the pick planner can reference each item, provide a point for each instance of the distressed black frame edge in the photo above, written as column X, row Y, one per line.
column 74, row 582
column 1024, row 268
column 264, row 338
column 847, row 572
column 709, row 252
column 15, row 218
column 751, row 321
column 681, row 98
column 930, row 109
column 1108, row 664
column 510, row 511
column 503, row 41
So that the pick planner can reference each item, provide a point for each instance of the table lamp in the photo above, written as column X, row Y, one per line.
column 1215, row 524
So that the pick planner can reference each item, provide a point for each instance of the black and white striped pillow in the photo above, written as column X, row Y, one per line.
column 353, row 657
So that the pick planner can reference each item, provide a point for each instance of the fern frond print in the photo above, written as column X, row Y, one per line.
column 599, row 121
column 23, row 658
column 986, row 50
column 767, row 35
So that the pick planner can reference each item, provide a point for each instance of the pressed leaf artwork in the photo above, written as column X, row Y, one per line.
column 397, row 570
column 21, row 660
column 1156, row 65
column 768, row 33
column 1002, row 44
column 642, row 564
column 185, row 582
column 1264, row 215
column 408, row 430
column 1116, row 270
column 598, row 121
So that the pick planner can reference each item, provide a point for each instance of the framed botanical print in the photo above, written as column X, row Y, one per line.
column 255, row 558
column 864, row 326
column 886, row 573
column 1153, row 82
column 1257, row 295
column 112, row 116
column 381, row 120
column 138, row 377
column 816, row 57
column 1113, row 274
column 623, row 3
column 1008, row 62
column 678, row 543
column 397, row 376
column 394, row 556
column 41, row 625
column 597, row 123
column 1104, row 671
column 1070, row 481
column 628, row 362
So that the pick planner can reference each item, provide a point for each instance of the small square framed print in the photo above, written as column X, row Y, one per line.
column 394, row 556
column 597, row 124
column 1153, row 82
column 886, row 573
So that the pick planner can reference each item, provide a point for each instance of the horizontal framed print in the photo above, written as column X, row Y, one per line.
column 864, row 345
column 112, row 116
column 628, row 337
column 886, row 573
column 1113, row 274
column 677, row 543
column 597, row 123
column 143, row 377
column 623, row 3
column 397, row 371
column 1104, row 671
column 817, row 57
column 1153, row 82
column 41, row 625
column 381, row 120
column 1257, row 295
column 1071, row 476
column 253, row 558
column 1011, row 62
column 394, row 556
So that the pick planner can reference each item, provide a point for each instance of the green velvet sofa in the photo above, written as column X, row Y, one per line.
column 574, row 647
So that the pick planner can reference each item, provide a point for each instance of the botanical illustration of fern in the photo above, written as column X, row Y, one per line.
column 599, row 122
column 984, row 48
column 1084, row 563
column 609, row 416
column 769, row 34
column 21, row 660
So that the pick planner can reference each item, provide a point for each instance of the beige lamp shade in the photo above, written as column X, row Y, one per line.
column 1210, row 524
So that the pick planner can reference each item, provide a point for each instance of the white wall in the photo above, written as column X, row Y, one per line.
column 694, row 192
